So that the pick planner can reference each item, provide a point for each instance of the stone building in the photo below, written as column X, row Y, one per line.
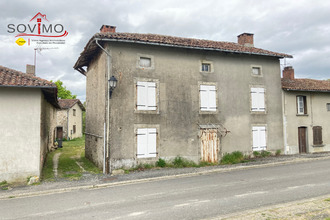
column 178, row 96
column 28, row 119
column 306, row 104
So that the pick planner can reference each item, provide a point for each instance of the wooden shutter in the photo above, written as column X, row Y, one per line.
column 317, row 135
column 261, row 99
column 259, row 138
column 208, row 96
column 258, row 99
column 142, row 142
column 152, row 141
column 142, row 95
column 151, row 93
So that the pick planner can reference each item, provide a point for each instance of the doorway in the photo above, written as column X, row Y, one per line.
column 302, row 139
column 209, row 145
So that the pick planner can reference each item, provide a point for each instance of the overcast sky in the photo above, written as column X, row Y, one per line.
column 300, row 28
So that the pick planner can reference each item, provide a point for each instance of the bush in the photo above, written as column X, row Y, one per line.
column 278, row 153
column 265, row 153
column 161, row 163
column 232, row 158
column 256, row 153
column 180, row 162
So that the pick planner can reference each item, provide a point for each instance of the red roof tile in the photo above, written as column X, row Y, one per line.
column 69, row 103
column 91, row 48
column 306, row 85
column 10, row 77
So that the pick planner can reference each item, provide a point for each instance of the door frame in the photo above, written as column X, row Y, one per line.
column 213, row 155
column 302, row 137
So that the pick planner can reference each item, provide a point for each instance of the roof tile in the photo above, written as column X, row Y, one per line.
column 306, row 85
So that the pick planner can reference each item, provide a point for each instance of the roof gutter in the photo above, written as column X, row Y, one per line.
column 300, row 90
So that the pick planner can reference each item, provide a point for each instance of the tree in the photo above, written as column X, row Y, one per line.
column 63, row 92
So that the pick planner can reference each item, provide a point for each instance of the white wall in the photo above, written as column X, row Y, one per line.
column 19, row 133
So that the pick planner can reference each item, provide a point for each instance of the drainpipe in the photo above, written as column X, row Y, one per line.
column 106, row 159
column 286, row 150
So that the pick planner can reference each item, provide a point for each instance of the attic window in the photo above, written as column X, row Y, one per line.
column 145, row 62
column 256, row 70
column 206, row 67
column 74, row 112
column 328, row 107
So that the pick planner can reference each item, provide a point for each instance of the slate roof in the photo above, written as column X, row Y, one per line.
column 311, row 85
column 10, row 77
column 14, row 78
column 69, row 103
column 153, row 39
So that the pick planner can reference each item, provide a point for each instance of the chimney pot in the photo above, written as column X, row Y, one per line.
column 288, row 73
column 245, row 39
column 30, row 69
column 108, row 29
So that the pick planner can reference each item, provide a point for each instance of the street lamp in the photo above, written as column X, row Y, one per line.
column 112, row 84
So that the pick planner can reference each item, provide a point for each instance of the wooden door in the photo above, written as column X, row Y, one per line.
column 209, row 145
column 59, row 133
column 302, row 139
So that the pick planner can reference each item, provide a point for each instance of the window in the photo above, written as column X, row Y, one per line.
column 256, row 71
column 301, row 105
column 317, row 135
column 146, row 142
column 258, row 100
column 74, row 129
column 259, row 138
column 74, row 112
column 208, row 100
column 206, row 67
column 145, row 62
column 146, row 96
column 328, row 107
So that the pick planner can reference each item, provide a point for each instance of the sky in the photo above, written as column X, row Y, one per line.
column 299, row 28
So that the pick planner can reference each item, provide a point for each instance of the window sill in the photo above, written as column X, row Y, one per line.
column 321, row 145
column 208, row 112
column 152, row 112
column 302, row 115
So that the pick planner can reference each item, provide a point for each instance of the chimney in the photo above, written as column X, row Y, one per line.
column 245, row 39
column 30, row 69
column 108, row 29
column 288, row 73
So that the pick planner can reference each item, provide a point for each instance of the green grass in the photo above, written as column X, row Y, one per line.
column 4, row 185
column 73, row 152
column 233, row 158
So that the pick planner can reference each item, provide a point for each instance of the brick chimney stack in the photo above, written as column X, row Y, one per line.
column 30, row 69
column 245, row 39
column 288, row 73
column 108, row 29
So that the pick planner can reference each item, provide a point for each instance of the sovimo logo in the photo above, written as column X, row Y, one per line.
column 38, row 26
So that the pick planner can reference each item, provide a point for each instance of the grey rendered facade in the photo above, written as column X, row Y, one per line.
column 182, row 127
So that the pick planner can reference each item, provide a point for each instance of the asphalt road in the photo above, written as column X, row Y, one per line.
column 194, row 197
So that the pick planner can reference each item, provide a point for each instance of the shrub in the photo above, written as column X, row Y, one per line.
column 182, row 162
column 232, row 158
column 161, row 163
column 265, row 153
column 256, row 153
column 278, row 153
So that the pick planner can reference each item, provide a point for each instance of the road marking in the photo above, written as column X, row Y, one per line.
column 301, row 186
column 191, row 203
column 251, row 194
column 136, row 214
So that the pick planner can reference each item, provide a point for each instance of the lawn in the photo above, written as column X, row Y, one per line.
column 72, row 163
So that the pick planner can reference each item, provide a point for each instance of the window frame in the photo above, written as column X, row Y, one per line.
column 74, row 129
column 147, row 56
column 157, row 89
column 200, row 98
column 74, row 112
column 259, row 109
column 256, row 67
column 258, row 128
column 328, row 107
column 304, row 99
column 205, row 62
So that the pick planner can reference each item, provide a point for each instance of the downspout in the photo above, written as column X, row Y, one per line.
column 286, row 150
column 107, row 160
column 67, row 124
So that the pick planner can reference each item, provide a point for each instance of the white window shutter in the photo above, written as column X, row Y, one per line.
column 151, row 104
column 261, row 99
column 255, row 138
column 152, row 141
column 203, row 90
column 212, row 98
column 142, row 95
column 262, row 136
column 254, row 99
column 142, row 142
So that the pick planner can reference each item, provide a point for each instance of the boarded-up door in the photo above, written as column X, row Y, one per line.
column 209, row 145
column 302, row 139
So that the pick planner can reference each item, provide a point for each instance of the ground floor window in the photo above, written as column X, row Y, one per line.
column 74, row 129
column 317, row 135
column 259, row 138
column 146, row 142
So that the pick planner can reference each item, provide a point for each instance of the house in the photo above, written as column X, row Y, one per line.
column 28, row 119
column 69, row 118
column 178, row 96
column 306, row 104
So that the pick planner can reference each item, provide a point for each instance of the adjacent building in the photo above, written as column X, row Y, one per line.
column 178, row 96
column 70, row 119
column 306, row 105
column 28, row 119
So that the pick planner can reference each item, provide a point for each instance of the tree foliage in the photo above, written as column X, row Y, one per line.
column 63, row 92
